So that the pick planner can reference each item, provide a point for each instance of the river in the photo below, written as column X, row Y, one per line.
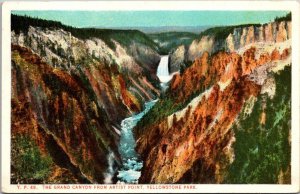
column 131, row 170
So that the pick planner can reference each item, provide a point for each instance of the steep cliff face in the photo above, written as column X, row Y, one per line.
column 59, row 114
column 177, row 58
column 197, row 133
column 70, row 94
column 271, row 32
column 231, row 39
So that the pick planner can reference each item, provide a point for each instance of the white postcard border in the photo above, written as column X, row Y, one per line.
column 150, row 5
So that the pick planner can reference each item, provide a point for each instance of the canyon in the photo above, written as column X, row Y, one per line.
column 109, row 106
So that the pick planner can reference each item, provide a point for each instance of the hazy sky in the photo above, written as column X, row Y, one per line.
column 154, row 18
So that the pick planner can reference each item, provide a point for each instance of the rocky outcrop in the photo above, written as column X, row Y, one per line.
column 196, row 49
column 177, row 59
column 239, row 37
column 193, row 141
column 270, row 33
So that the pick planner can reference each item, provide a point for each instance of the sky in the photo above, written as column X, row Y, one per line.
column 154, row 18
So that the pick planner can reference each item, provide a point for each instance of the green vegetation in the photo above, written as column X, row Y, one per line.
column 124, row 37
column 287, row 17
column 28, row 164
column 171, row 40
column 163, row 108
column 263, row 150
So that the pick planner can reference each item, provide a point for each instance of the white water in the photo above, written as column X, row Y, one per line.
column 163, row 69
column 130, row 173
column 108, row 175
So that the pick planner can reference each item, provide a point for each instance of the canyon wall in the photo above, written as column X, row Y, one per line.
column 224, row 113
column 69, row 95
column 231, row 40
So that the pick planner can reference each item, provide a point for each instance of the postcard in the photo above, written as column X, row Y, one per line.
column 150, row 96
